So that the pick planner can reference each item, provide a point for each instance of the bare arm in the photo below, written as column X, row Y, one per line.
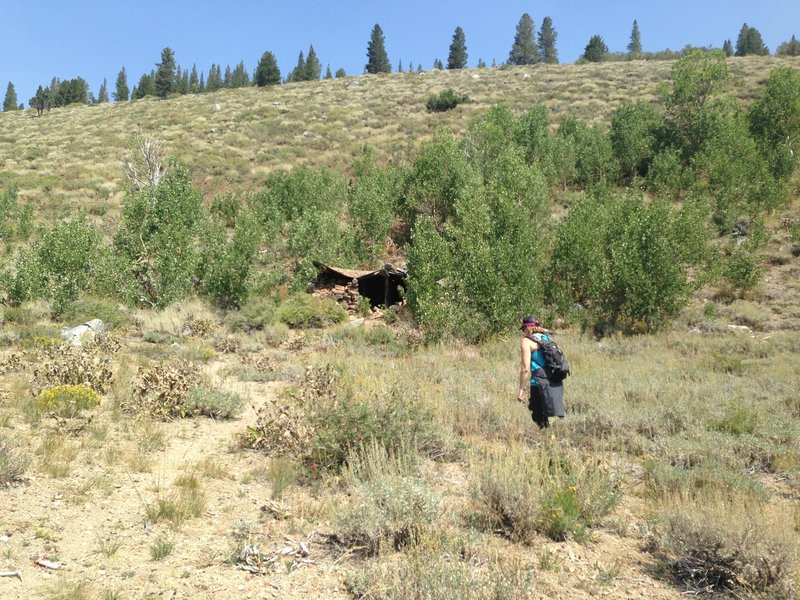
column 526, row 348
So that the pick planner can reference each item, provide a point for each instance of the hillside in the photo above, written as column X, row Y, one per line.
column 286, row 449
column 70, row 158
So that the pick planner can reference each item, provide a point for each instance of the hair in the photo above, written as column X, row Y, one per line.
column 537, row 329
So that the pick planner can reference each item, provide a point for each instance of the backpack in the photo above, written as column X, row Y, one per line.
column 555, row 363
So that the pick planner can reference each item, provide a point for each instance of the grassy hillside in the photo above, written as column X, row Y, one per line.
column 70, row 158
column 193, row 452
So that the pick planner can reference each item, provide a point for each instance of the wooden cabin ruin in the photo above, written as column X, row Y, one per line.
column 381, row 287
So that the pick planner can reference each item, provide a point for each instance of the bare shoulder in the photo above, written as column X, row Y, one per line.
column 528, row 343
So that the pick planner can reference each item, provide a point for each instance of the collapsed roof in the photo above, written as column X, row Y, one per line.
column 380, row 287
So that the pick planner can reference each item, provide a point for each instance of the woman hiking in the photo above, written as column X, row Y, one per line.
column 546, row 398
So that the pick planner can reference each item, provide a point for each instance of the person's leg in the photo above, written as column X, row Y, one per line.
column 537, row 407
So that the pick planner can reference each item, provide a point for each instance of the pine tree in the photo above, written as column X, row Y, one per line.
column 10, row 102
column 547, row 42
column 267, row 71
column 377, row 59
column 299, row 71
column 227, row 79
column 165, row 75
column 635, row 45
column 750, row 42
column 201, row 85
column 420, row 68
column 438, row 64
column 340, row 73
column 41, row 101
column 183, row 86
column 102, row 95
column 411, row 67
column 194, row 84
column 214, row 81
column 313, row 66
column 481, row 64
column 240, row 77
column 145, row 87
column 727, row 48
column 328, row 74
column 595, row 50
column 790, row 48
column 524, row 50
column 121, row 91
column 457, row 58
column 400, row 66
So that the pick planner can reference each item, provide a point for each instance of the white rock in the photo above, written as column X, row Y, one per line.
column 75, row 334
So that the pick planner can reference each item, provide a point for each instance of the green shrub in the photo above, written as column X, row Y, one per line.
column 225, row 264
column 634, row 137
column 775, row 121
column 592, row 151
column 477, row 272
column 57, row 268
column 303, row 311
column 445, row 100
column 395, row 422
column 626, row 259
column 16, row 219
column 159, row 238
column 256, row 314
column 372, row 204
column 213, row 403
column 389, row 512
column 520, row 494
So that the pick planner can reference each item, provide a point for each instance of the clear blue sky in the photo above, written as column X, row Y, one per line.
column 94, row 39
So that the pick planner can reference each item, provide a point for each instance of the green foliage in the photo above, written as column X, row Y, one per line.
column 377, row 59
column 592, row 151
column 303, row 213
column 634, row 136
column 731, row 167
column 696, row 79
column 790, row 48
column 750, row 42
column 396, row 423
column 213, row 403
column 159, row 237
column 533, row 134
column 546, row 42
column 302, row 311
column 775, row 121
column 520, row 494
column 165, row 75
column 635, row 45
column 57, row 267
column 445, row 100
column 372, row 204
column 742, row 268
column 474, row 273
column 16, row 218
column 267, row 71
column 10, row 101
column 625, row 259
column 121, row 91
column 596, row 50
column 524, row 50
column 225, row 264
column 457, row 57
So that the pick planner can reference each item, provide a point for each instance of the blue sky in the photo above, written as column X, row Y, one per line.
column 94, row 39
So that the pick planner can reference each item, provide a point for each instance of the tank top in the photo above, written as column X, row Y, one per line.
column 537, row 359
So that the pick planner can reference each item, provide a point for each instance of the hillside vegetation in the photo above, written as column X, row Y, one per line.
column 229, row 435
column 70, row 159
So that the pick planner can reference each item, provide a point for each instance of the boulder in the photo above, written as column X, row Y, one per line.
column 74, row 335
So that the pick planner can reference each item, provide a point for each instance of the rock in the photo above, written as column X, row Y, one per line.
column 74, row 335
column 356, row 323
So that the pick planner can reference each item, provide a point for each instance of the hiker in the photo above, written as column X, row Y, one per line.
column 546, row 397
